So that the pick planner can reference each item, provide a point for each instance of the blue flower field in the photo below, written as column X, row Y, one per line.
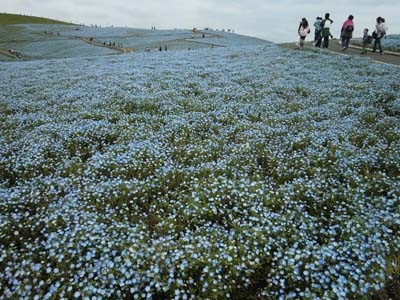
column 243, row 172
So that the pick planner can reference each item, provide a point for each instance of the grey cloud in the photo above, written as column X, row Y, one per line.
column 273, row 20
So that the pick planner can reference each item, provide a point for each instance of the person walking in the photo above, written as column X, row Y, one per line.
column 304, row 30
column 347, row 32
column 379, row 33
column 326, row 30
column 317, row 34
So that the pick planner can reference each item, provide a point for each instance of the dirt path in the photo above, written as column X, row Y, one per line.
column 5, row 52
column 191, row 40
column 100, row 44
column 387, row 57
column 334, row 46
column 197, row 39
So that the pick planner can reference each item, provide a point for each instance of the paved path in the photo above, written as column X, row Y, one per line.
column 94, row 42
column 7, row 53
column 354, row 50
column 191, row 40
column 334, row 46
column 197, row 39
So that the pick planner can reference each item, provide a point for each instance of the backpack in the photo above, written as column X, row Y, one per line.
column 349, row 28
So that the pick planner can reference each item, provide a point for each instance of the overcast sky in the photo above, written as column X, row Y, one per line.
column 274, row 20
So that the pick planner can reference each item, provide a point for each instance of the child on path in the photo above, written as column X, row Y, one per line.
column 367, row 39
column 347, row 32
column 304, row 30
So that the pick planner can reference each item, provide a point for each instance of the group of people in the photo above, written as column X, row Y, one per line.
column 377, row 35
column 16, row 53
column 148, row 49
column 323, row 33
column 111, row 44
column 51, row 33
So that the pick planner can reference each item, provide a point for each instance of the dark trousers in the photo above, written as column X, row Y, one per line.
column 345, row 42
column 325, row 44
column 318, row 42
column 377, row 43
column 317, row 35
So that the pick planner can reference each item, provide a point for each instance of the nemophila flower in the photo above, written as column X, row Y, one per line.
column 146, row 182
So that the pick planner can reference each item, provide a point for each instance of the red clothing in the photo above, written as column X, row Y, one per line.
column 347, row 23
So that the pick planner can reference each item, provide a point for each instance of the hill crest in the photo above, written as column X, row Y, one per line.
column 10, row 19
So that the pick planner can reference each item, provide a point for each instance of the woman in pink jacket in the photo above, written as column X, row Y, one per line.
column 304, row 30
column 347, row 32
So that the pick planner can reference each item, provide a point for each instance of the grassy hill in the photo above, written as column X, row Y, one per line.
column 7, row 19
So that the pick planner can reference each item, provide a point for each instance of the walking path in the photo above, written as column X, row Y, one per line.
column 89, row 41
column 335, row 46
column 387, row 57
column 100, row 44
column 7, row 53
column 197, row 39
column 191, row 40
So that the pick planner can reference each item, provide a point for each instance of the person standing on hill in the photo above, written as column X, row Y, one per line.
column 317, row 34
column 379, row 33
column 326, row 30
column 304, row 30
column 347, row 32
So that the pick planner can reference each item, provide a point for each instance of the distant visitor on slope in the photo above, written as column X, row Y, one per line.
column 379, row 33
column 367, row 39
column 304, row 30
column 347, row 32
column 326, row 30
column 317, row 34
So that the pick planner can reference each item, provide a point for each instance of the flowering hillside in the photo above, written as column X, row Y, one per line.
column 46, row 41
column 231, row 173
column 390, row 42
